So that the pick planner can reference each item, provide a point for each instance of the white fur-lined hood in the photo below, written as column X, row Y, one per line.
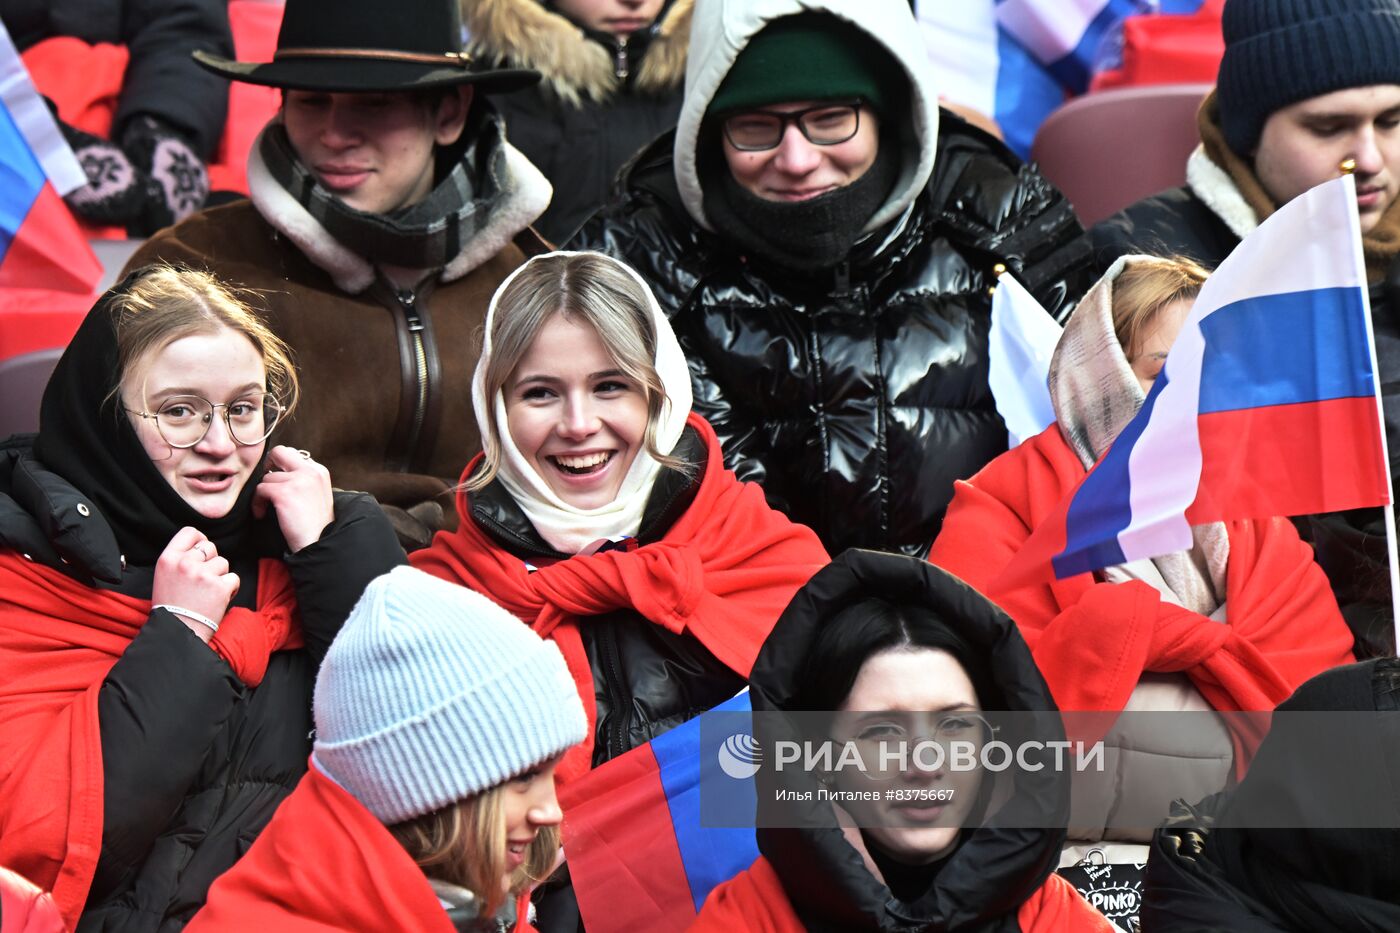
column 1218, row 191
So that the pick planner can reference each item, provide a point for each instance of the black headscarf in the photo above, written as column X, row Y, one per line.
column 86, row 438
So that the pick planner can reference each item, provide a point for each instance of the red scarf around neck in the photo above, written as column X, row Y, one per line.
column 723, row 572
column 58, row 640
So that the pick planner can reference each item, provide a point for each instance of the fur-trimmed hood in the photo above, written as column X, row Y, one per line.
column 522, row 194
column 574, row 66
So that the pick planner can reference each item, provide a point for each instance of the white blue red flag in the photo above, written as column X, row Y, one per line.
column 638, row 853
column 1266, row 406
column 41, row 245
column 1019, row 347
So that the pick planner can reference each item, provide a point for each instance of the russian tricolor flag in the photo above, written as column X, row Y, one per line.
column 637, row 853
column 1267, row 404
column 41, row 245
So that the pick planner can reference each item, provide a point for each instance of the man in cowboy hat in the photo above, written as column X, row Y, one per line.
column 386, row 207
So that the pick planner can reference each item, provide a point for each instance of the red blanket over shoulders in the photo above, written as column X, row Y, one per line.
column 325, row 863
column 1093, row 640
column 723, row 572
column 58, row 640
column 754, row 900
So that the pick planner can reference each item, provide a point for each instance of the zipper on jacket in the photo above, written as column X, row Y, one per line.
column 621, row 66
column 843, row 278
column 612, row 680
column 408, row 301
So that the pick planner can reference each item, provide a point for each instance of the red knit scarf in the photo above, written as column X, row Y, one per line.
column 723, row 572
column 58, row 640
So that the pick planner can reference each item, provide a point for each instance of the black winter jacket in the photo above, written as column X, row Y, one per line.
column 194, row 762
column 855, row 398
column 161, row 78
column 1350, row 546
column 601, row 100
column 646, row 679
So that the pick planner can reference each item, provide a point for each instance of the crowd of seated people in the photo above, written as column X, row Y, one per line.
column 360, row 516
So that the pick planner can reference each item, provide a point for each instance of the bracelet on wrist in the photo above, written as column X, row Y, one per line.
column 189, row 614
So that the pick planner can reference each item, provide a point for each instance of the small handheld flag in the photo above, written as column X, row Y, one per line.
column 41, row 245
column 1022, row 340
column 637, row 852
column 1267, row 404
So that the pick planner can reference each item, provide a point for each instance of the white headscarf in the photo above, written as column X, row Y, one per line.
column 565, row 528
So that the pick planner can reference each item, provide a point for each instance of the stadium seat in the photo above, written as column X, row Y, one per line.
column 1110, row 148
column 22, row 381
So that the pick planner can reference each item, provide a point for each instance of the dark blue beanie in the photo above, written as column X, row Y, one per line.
column 1278, row 52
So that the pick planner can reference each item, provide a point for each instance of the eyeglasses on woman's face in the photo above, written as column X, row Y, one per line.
column 184, row 420
column 824, row 124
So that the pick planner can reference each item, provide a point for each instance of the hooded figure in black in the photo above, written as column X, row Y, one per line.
column 198, row 746
column 1210, row 870
column 912, row 632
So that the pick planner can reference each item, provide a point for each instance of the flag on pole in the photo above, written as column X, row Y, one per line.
column 1266, row 406
column 41, row 245
column 637, row 853
column 1021, row 342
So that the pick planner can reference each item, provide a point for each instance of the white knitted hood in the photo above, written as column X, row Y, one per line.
column 722, row 28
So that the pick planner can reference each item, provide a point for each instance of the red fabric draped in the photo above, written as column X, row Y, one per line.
column 1094, row 640
column 723, row 572
column 755, row 901
column 58, row 640
column 324, row 863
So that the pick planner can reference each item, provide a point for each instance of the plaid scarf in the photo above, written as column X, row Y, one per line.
column 425, row 235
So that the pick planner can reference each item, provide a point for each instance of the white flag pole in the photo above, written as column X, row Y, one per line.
column 1392, row 551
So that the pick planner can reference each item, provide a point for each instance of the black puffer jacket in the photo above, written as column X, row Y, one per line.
column 194, row 762
column 1189, row 221
column 855, row 398
column 161, row 79
column 646, row 679
column 601, row 98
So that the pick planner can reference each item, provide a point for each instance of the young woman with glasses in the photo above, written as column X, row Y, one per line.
column 168, row 584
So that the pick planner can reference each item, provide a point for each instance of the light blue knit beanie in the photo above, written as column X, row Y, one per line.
column 432, row 693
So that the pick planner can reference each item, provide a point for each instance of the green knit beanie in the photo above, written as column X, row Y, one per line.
column 810, row 56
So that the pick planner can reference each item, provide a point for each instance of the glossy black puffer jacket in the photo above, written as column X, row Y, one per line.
column 857, row 397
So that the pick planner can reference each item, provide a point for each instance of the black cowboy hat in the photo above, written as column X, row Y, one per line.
column 369, row 45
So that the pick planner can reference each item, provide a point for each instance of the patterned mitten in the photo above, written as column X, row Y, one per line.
column 181, row 180
column 117, row 191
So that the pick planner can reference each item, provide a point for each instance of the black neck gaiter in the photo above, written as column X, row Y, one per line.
column 805, row 236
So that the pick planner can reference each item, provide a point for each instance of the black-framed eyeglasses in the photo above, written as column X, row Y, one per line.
column 826, row 124
column 184, row 420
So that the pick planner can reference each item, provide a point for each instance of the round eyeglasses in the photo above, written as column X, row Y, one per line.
column 184, row 420
column 825, row 124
